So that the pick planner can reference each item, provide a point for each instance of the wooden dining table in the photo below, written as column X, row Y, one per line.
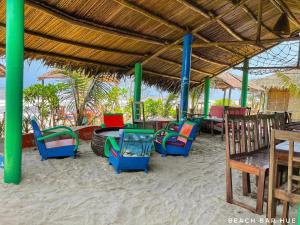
column 282, row 152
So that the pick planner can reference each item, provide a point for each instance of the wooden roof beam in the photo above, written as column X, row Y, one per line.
column 252, row 16
column 179, row 65
column 211, row 16
column 284, row 8
column 167, row 76
column 250, row 42
column 194, row 31
column 77, row 44
column 165, row 22
column 52, row 11
column 70, row 58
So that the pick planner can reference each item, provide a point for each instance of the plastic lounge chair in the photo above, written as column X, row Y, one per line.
column 132, row 152
column 173, row 143
column 56, row 148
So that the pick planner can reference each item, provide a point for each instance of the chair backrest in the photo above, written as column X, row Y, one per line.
column 38, row 133
column 289, row 142
column 266, row 122
column 216, row 111
column 113, row 120
column 136, row 142
column 247, row 134
column 241, row 111
column 188, row 129
column 280, row 121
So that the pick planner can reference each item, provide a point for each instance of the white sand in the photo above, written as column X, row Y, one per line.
column 86, row 191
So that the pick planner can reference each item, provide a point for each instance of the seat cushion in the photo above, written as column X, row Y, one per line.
column 60, row 143
column 171, row 141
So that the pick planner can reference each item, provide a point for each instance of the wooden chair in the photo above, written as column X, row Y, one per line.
column 247, row 144
column 290, row 193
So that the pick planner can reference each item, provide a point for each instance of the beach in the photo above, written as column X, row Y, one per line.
column 86, row 191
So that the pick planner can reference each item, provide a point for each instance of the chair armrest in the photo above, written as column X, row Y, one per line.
column 171, row 124
column 56, row 128
column 128, row 125
column 110, row 141
column 157, row 133
column 102, row 125
column 167, row 137
column 66, row 132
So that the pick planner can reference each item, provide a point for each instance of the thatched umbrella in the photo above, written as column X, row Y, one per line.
column 58, row 74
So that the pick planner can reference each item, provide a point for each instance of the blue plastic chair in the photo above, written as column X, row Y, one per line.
column 57, row 148
column 176, row 143
column 133, row 151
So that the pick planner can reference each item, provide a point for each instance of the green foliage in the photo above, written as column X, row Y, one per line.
column 227, row 102
column 195, row 95
column 42, row 101
column 169, row 106
column 153, row 108
column 112, row 102
column 83, row 93
column 289, row 84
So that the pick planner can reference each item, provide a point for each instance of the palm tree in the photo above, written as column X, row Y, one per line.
column 195, row 95
column 169, row 104
column 289, row 84
column 84, row 92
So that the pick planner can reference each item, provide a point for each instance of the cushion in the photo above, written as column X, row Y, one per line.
column 60, row 143
column 186, row 131
column 113, row 120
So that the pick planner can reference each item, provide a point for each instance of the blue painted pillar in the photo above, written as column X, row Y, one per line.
column 185, row 75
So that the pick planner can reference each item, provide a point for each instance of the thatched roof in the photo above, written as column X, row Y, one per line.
column 274, row 81
column 112, row 35
column 2, row 70
column 228, row 80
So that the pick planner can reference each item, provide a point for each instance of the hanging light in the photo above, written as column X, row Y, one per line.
column 282, row 26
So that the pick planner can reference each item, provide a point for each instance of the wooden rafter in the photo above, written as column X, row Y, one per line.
column 208, row 60
column 71, row 58
column 284, row 8
column 168, row 23
column 259, row 19
column 179, row 65
column 168, row 76
column 211, row 16
column 76, row 43
column 240, row 43
column 51, row 10
column 194, row 31
column 252, row 16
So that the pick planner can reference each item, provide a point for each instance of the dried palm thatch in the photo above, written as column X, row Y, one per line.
column 112, row 35
column 228, row 80
column 276, row 81
column 60, row 74
column 2, row 71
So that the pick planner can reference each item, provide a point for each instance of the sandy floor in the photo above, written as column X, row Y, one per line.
column 86, row 191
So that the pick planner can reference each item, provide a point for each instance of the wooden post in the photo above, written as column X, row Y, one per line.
column 206, row 96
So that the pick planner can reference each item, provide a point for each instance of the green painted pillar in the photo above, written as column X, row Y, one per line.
column 14, row 90
column 206, row 96
column 137, row 86
column 245, row 84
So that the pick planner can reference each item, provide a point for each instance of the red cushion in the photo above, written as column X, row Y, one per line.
column 237, row 111
column 216, row 111
column 113, row 120
column 60, row 143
